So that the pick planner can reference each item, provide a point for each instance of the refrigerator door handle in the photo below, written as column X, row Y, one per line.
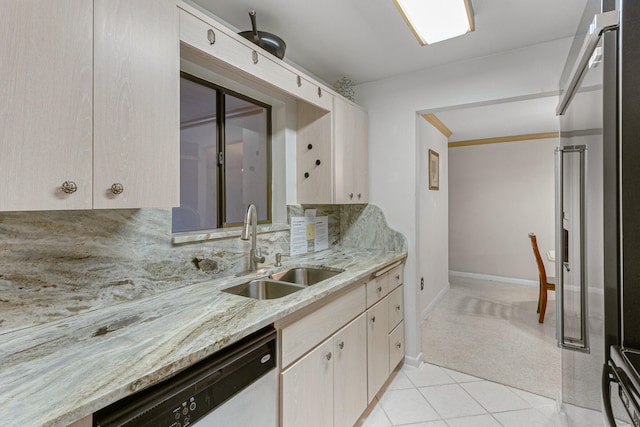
column 581, row 342
column 559, row 215
column 602, row 22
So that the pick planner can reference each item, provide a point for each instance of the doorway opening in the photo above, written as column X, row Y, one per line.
column 500, row 188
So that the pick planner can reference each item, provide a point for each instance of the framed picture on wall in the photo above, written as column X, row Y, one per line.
column 434, row 170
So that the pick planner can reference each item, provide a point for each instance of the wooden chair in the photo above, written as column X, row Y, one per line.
column 545, row 285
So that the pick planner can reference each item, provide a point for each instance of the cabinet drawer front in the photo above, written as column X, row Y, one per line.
column 396, row 277
column 396, row 307
column 198, row 34
column 304, row 334
column 376, row 290
column 396, row 346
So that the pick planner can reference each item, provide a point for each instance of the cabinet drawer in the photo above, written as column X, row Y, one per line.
column 304, row 334
column 198, row 34
column 396, row 346
column 376, row 290
column 395, row 277
column 396, row 307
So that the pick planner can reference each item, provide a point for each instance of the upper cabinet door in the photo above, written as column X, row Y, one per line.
column 351, row 152
column 136, row 111
column 45, row 104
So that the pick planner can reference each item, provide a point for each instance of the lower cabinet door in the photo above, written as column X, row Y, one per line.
column 350, row 373
column 377, row 346
column 307, row 389
column 396, row 346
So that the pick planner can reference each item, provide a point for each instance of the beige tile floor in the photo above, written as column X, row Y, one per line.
column 431, row 396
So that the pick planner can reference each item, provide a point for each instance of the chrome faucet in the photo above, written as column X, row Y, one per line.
column 255, row 255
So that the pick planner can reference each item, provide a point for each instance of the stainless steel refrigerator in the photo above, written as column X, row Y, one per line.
column 598, row 213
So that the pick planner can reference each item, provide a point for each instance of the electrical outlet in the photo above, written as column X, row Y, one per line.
column 422, row 283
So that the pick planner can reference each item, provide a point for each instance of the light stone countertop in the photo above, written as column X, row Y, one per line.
column 58, row 372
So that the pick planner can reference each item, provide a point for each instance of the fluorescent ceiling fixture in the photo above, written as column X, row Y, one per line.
column 435, row 20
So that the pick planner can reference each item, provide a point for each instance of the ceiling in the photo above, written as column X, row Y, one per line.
column 368, row 40
column 522, row 117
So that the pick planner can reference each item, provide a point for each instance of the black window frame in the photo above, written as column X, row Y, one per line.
column 221, row 196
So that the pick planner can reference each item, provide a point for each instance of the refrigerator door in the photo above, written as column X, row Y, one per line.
column 579, row 221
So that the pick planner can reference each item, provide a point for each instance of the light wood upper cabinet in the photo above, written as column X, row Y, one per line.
column 136, row 104
column 314, row 155
column 335, row 170
column 350, row 138
column 89, row 96
column 45, row 104
column 226, row 49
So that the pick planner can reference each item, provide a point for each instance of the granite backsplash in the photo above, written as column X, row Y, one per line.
column 98, row 258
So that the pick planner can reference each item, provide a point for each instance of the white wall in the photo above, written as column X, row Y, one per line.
column 392, row 105
column 432, row 215
column 498, row 194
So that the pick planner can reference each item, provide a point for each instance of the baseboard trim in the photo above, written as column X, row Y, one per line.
column 416, row 362
column 479, row 276
column 425, row 313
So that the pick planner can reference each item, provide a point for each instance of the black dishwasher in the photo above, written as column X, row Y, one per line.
column 235, row 386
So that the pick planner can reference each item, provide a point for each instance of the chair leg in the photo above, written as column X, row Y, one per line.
column 539, row 297
column 543, row 304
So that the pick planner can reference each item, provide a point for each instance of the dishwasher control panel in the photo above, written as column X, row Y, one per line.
column 183, row 399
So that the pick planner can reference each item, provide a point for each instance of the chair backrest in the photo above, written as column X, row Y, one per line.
column 536, row 252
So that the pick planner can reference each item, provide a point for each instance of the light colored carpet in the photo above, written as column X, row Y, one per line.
column 491, row 330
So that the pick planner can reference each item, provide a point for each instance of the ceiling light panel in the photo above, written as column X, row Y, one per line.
column 435, row 20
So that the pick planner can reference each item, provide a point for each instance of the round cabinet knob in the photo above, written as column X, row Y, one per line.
column 379, row 289
column 328, row 356
column 211, row 36
column 117, row 188
column 359, row 195
column 310, row 146
column 398, row 307
column 318, row 162
column 306, row 174
column 69, row 187
column 351, row 195
column 373, row 319
column 341, row 345
column 397, row 277
column 398, row 345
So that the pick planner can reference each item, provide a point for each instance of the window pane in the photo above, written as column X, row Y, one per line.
column 246, row 159
column 198, row 159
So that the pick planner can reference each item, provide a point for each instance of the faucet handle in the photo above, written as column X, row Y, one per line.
column 259, row 258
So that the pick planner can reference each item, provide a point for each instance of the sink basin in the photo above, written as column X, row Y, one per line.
column 305, row 275
column 264, row 289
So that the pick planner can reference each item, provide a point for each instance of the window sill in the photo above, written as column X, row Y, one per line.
column 220, row 234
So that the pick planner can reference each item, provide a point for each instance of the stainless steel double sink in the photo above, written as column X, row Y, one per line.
column 282, row 283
